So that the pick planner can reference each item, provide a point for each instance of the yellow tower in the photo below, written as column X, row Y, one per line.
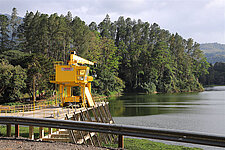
column 74, row 74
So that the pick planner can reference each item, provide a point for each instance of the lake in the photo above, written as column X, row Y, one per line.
column 201, row 112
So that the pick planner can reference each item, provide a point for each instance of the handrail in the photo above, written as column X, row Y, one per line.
column 128, row 130
column 22, row 108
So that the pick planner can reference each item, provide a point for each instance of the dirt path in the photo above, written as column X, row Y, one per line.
column 24, row 144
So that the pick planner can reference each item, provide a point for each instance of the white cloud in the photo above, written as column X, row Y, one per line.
column 203, row 20
column 216, row 4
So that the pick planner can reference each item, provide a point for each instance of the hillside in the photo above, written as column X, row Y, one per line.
column 212, row 47
column 215, row 52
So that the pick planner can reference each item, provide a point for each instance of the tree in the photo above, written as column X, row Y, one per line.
column 39, row 69
column 104, row 52
column 12, row 81
column 69, row 16
column 104, row 27
column 25, row 32
column 4, row 33
column 121, row 30
column 16, row 57
column 80, row 36
column 129, row 37
column 93, row 26
column 14, row 23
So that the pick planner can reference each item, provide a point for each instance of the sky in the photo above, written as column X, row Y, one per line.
column 202, row 20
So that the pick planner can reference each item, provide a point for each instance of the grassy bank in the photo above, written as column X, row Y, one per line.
column 144, row 144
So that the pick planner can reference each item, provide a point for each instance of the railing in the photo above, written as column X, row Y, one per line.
column 52, row 78
column 57, row 113
column 19, row 110
column 58, row 63
column 127, row 130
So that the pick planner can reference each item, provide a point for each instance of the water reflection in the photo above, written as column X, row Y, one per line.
column 200, row 112
column 142, row 105
column 215, row 88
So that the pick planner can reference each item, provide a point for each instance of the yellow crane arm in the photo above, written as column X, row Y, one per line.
column 76, row 59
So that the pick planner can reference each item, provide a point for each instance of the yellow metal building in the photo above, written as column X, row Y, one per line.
column 74, row 74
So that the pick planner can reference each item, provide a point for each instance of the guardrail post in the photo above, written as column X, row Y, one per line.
column 120, row 141
column 17, row 130
column 8, row 126
column 41, row 132
column 49, row 130
column 31, row 132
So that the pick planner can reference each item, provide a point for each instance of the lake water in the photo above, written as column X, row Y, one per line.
column 201, row 112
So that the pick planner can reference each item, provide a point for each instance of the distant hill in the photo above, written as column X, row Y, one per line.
column 215, row 52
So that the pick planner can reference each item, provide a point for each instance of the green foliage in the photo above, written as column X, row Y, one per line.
column 153, row 59
column 216, row 75
column 148, row 87
column 39, row 69
column 16, row 57
column 107, row 79
column 12, row 81
column 4, row 33
column 14, row 23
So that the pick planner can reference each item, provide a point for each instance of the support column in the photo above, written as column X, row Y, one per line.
column 68, row 89
column 56, row 95
column 61, row 91
column 8, row 126
column 50, row 130
column 120, row 141
column 82, row 90
column 41, row 132
column 17, row 130
column 31, row 132
column 89, row 86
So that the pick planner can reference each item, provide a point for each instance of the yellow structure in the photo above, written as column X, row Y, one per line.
column 74, row 74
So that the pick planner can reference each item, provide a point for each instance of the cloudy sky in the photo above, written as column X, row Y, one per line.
column 202, row 20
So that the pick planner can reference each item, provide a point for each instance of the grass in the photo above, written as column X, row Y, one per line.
column 144, row 144
column 24, row 131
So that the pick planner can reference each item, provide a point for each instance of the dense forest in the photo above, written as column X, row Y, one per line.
column 216, row 75
column 132, row 55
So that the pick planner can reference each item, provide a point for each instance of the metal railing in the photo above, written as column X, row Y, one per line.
column 20, row 110
column 52, row 78
column 127, row 130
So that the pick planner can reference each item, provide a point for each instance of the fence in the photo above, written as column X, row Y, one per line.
column 22, row 108
column 121, row 130
column 46, row 111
